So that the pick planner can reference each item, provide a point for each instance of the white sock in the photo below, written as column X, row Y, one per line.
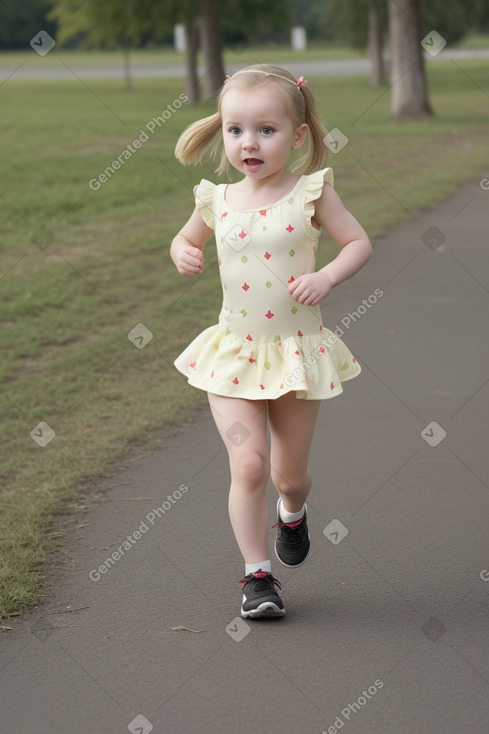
column 290, row 516
column 254, row 567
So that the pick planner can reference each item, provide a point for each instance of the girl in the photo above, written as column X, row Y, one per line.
column 269, row 360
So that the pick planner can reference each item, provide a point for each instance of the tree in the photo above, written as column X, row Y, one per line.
column 103, row 23
column 192, row 45
column 212, row 19
column 409, row 92
column 375, row 46
column 452, row 19
column 123, row 23
column 210, row 31
column 362, row 24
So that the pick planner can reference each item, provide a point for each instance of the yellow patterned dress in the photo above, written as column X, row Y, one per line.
column 266, row 344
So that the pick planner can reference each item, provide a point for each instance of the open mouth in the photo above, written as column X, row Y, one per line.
column 252, row 161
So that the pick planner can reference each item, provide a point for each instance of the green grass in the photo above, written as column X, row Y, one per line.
column 67, row 308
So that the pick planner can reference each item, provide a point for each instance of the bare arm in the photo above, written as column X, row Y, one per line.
column 355, row 246
column 187, row 246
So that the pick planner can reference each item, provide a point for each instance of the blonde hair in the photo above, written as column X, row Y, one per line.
column 205, row 136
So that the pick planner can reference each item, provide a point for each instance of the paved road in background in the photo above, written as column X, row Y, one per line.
column 387, row 625
column 24, row 69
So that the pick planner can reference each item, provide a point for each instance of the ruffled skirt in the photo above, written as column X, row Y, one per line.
column 312, row 366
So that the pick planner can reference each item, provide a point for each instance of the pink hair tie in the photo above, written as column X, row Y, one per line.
column 301, row 81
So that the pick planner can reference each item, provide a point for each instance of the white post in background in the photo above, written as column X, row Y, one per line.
column 179, row 37
column 298, row 38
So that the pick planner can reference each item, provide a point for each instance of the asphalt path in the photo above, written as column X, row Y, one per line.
column 29, row 68
column 387, row 624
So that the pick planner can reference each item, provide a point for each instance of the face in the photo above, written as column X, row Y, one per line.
column 258, row 132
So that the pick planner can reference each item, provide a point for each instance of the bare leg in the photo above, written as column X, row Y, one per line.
column 292, row 424
column 242, row 426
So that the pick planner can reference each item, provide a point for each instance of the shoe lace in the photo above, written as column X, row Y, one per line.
column 262, row 580
column 289, row 525
column 291, row 537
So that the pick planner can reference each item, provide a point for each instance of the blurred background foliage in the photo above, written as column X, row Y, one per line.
column 91, row 23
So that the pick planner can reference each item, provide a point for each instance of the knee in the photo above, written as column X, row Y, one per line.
column 291, row 484
column 251, row 469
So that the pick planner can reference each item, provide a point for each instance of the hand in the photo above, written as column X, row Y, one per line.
column 311, row 288
column 189, row 260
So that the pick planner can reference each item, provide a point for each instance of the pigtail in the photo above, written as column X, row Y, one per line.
column 199, row 138
column 317, row 152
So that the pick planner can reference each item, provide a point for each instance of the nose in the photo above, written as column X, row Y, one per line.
column 249, row 142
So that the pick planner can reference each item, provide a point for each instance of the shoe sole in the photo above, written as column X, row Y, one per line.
column 266, row 609
column 291, row 565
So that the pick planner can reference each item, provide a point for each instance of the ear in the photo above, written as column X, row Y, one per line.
column 299, row 136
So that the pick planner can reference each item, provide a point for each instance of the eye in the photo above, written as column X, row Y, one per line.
column 234, row 130
column 266, row 130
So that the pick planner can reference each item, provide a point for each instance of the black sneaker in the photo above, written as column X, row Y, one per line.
column 259, row 596
column 292, row 544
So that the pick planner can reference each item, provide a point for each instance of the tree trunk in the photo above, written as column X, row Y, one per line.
column 211, row 39
column 192, row 43
column 409, row 95
column 126, row 52
column 375, row 44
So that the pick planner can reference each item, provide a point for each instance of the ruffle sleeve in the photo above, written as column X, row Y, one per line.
column 204, row 200
column 312, row 191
